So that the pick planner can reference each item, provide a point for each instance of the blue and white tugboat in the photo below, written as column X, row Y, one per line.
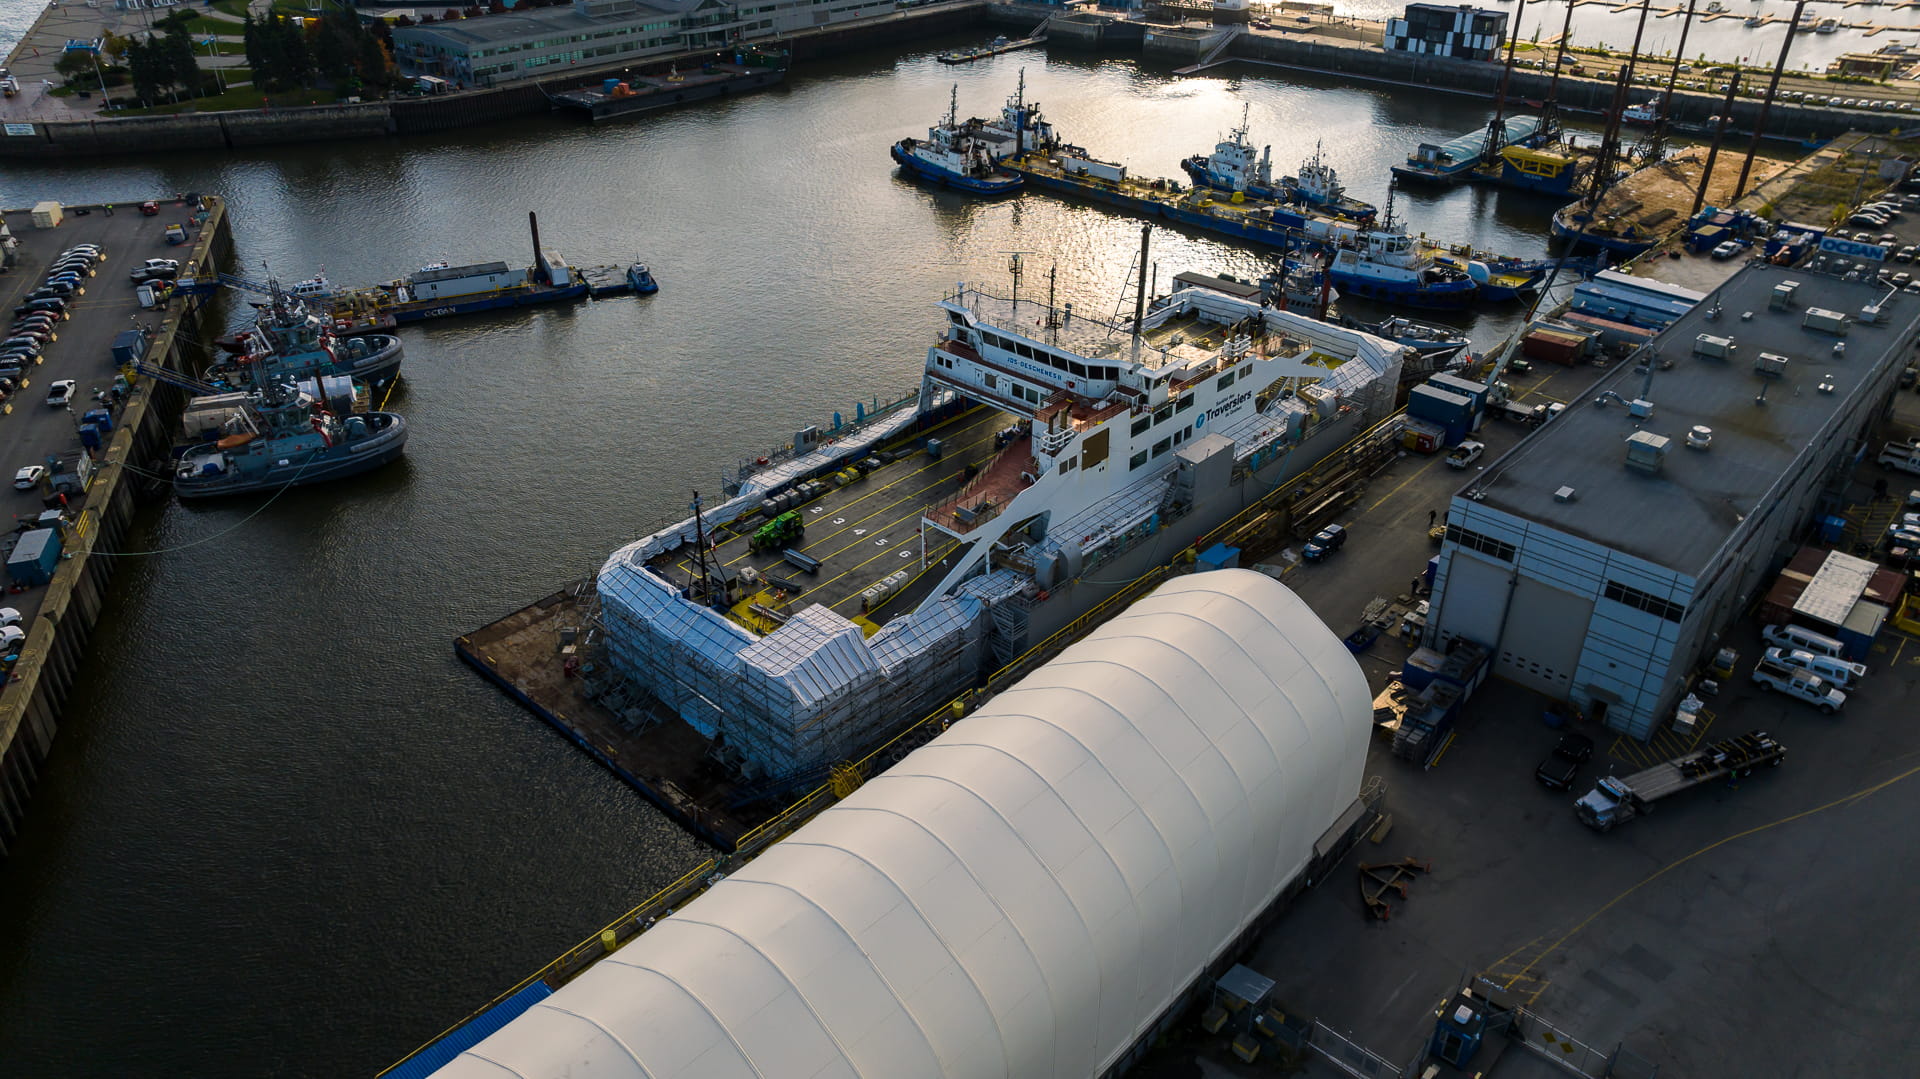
column 1235, row 167
column 950, row 155
column 1390, row 268
column 279, row 437
column 640, row 279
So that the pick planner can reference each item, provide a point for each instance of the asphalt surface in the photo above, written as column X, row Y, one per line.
column 1753, row 929
column 29, row 429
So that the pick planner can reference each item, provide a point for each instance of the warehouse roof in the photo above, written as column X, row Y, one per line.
column 1681, row 515
column 1023, row 896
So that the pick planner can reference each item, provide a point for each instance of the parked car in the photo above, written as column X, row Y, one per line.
column 27, row 478
column 171, row 264
column 1560, row 768
column 150, row 208
column 60, row 393
column 1325, row 542
column 54, row 304
column 11, row 637
column 9, row 616
column 1465, row 453
column 1905, row 254
column 1727, row 250
column 152, row 273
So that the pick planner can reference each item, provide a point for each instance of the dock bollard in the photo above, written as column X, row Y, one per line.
column 609, row 940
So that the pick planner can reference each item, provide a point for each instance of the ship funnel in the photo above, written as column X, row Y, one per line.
column 541, row 272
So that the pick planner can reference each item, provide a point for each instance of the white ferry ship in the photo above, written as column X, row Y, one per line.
column 869, row 575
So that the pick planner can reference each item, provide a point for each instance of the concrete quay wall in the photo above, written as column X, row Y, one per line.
column 56, row 641
column 411, row 116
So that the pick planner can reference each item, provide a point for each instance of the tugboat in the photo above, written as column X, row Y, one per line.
column 1647, row 113
column 279, row 437
column 951, row 155
column 641, row 279
column 1235, row 167
column 1392, row 269
column 289, row 341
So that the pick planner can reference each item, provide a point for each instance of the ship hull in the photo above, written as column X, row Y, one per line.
column 930, row 173
column 422, row 310
column 1616, row 244
column 363, row 456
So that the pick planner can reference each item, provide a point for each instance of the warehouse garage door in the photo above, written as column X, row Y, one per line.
column 1546, row 630
column 1474, row 599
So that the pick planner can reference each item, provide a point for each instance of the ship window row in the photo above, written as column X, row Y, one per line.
column 1644, row 601
column 1162, row 414
column 1226, row 380
column 1137, row 461
column 1058, row 363
column 1487, row 545
column 1185, row 403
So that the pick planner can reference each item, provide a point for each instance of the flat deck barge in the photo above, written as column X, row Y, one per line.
column 727, row 73
column 860, row 534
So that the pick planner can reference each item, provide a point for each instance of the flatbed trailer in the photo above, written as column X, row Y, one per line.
column 1618, row 799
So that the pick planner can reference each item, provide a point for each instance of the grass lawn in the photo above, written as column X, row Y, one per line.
column 238, row 8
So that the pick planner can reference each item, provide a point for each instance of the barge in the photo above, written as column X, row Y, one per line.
column 1454, row 161
column 439, row 290
column 736, row 72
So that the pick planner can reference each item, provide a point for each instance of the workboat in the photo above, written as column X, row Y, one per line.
column 1646, row 113
column 733, row 72
column 1498, row 282
column 280, row 437
column 1753, row 21
column 950, row 155
column 640, row 279
column 1389, row 267
column 292, row 340
column 1019, row 129
column 1425, row 338
column 1047, row 458
column 1235, row 167
column 1827, row 26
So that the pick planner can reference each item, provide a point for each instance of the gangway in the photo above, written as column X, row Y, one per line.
column 174, row 378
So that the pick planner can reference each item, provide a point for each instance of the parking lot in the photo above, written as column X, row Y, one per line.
column 31, row 430
column 1750, row 928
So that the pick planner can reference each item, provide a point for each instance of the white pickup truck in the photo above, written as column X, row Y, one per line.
column 1799, row 685
column 1902, row 456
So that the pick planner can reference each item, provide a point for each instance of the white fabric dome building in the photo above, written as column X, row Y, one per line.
column 1022, row 897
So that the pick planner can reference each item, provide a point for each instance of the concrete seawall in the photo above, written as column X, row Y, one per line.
column 1369, row 63
column 56, row 640
column 412, row 116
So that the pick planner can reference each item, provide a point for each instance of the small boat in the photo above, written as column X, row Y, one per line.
column 641, row 279
column 1827, row 26
column 1716, row 8
column 1434, row 342
column 1754, row 20
column 1647, row 112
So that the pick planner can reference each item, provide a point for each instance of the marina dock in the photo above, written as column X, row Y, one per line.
column 1000, row 45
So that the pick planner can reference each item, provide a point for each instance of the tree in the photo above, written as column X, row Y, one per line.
column 182, row 66
column 75, row 67
column 148, row 66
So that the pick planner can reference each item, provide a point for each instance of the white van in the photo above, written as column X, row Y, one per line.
column 1795, row 639
column 1833, row 669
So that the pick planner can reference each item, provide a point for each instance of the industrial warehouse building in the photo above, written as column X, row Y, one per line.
column 1602, row 557
column 542, row 42
column 1027, row 896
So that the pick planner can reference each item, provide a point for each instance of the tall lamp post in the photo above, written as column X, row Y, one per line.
column 211, row 59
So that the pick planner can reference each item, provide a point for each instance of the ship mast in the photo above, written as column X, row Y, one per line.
column 1657, row 142
column 1497, row 129
column 700, row 553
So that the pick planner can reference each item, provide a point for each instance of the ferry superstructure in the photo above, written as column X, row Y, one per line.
column 1047, row 459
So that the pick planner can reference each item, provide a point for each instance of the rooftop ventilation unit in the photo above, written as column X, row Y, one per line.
column 1640, row 408
column 1872, row 313
column 1825, row 321
column 1770, row 365
column 1565, row 494
column 1709, row 345
column 1782, row 297
column 1700, row 437
column 1646, row 451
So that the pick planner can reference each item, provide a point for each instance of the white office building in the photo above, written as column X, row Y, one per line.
column 543, row 42
column 1601, row 559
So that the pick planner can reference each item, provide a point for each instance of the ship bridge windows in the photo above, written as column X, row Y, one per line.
column 1185, row 403
column 1140, row 425
column 1226, row 380
column 1162, row 414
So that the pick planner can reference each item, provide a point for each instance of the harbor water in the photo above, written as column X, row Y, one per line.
column 283, row 831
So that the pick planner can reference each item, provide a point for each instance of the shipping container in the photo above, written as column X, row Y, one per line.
column 1614, row 335
column 90, row 436
column 1706, row 238
column 1422, row 436
column 1475, row 392
column 34, row 557
column 1553, row 346
column 1439, row 406
column 1086, row 166
column 99, row 417
column 1420, row 668
column 47, row 214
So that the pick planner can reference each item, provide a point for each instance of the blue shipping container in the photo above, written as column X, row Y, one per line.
column 99, row 417
column 35, row 557
column 90, row 436
column 1420, row 668
column 1475, row 392
column 1439, row 406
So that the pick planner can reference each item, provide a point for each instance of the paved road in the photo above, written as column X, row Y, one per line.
column 29, row 429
